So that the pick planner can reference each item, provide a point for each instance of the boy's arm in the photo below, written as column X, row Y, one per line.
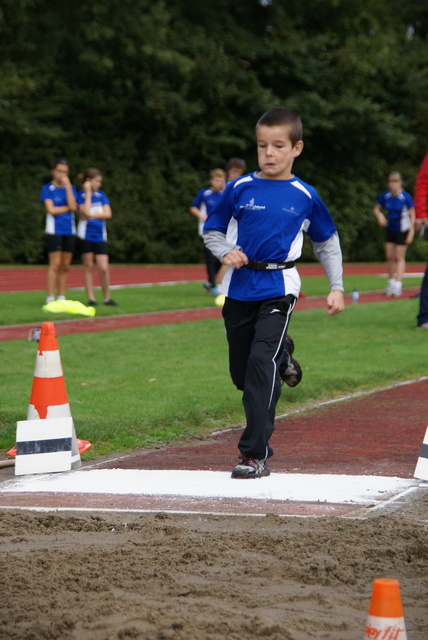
column 216, row 242
column 198, row 213
column 329, row 255
column 215, row 230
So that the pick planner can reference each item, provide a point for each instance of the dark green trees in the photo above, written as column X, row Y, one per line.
column 155, row 94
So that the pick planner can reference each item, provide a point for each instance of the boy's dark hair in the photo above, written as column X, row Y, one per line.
column 58, row 161
column 281, row 116
column 236, row 163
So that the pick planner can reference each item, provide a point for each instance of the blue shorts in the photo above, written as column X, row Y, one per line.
column 60, row 243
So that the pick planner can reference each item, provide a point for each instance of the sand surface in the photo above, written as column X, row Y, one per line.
column 195, row 577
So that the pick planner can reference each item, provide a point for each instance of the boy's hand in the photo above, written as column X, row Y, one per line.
column 335, row 303
column 235, row 259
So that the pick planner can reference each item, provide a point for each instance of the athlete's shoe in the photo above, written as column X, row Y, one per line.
column 423, row 326
column 91, row 303
column 250, row 467
column 290, row 370
column 390, row 288
column 207, row 286
column 110, row 303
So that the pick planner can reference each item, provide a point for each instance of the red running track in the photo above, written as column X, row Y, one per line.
column 132, row 321
column 376, row 434
column 34, row 278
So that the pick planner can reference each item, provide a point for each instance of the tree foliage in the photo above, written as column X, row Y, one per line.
column 155, row 94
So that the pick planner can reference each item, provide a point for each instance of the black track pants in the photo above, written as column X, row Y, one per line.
column 255, row 333
column 213, row 264
column 423, row 302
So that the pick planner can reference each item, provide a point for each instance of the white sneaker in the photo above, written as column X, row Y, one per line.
column 397, row 291
column 390, row 288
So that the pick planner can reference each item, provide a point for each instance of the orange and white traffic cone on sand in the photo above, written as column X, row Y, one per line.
column 48, row 394
column 385, row 620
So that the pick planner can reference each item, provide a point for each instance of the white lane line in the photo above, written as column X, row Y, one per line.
column 322, row 488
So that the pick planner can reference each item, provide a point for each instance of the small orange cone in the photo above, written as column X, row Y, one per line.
column 48, row 394
column 385, row 620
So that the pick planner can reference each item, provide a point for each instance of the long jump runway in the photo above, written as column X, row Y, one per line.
column 345, row 458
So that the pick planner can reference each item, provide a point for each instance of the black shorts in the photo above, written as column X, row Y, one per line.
column 98, row 248
column 60, row 243
column 396, row 237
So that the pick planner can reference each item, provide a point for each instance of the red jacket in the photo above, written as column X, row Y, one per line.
column 421, row 190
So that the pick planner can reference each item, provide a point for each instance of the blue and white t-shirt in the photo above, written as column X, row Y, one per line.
column 206, row 200
column 62, row 224
column 266, row 219
column 397, row 210
column 93, row 229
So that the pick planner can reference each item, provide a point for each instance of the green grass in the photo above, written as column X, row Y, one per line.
column 26, row 307
column 155, row 385
column 317, row 286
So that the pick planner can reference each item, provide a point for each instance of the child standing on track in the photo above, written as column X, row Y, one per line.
column 399, row 225
column 264, row 215
column 202, row 205
column 94, row 209
column 59, row 199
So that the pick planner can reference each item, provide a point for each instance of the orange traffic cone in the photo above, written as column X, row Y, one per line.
column 385, row 619
column 48, row 394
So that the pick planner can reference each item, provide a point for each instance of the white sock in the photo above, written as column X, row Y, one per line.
column 60, row 297
column 49, row 299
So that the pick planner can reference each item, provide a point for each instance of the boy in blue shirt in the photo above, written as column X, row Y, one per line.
column 257, row 229
column 399, row 224
column 204, row 202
